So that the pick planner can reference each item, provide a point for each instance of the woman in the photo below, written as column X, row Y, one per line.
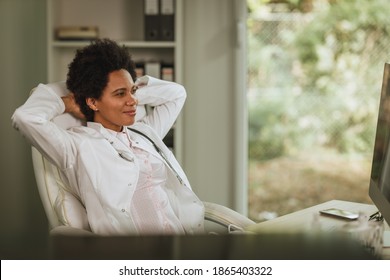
column 127, row 179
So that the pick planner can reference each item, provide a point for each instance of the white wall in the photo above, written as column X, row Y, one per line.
column 213, row 77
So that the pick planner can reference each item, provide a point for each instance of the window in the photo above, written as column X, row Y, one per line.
column 314, row 76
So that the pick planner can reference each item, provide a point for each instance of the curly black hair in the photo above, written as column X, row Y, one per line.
column 89, row 70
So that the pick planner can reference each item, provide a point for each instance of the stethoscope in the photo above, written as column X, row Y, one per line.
column 129, row 157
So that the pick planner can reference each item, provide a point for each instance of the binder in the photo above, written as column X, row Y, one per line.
column 140, row 69
column 153, row 69
column 152, row 20
column 159, row 20
column 167, row 13
column 167, row 72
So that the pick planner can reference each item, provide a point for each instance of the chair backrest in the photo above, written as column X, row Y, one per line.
column 61, row 206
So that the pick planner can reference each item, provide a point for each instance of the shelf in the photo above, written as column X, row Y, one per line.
column 129, row 44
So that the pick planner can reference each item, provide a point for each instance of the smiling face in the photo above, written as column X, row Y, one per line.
column 117, row 105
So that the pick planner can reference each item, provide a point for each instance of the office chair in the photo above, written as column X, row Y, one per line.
column 66, row 214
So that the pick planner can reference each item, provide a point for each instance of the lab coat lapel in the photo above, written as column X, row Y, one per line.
column 116, row 143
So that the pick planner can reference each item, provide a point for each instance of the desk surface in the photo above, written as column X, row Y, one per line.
column 303, row 220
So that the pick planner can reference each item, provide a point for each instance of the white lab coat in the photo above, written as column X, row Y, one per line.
column 88, row 157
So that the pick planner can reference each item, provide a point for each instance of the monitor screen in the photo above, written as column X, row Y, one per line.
column 379, row 189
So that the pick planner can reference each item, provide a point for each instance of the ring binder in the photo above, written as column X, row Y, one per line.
column 159, row 20
column 152, row 20
column 167, row 12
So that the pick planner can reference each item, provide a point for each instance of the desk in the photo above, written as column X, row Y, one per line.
column 268, row 244
column 303, row 220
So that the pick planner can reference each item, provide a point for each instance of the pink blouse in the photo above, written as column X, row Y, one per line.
column 150, row 204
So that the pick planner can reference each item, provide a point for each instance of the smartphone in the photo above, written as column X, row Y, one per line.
column 339, row 213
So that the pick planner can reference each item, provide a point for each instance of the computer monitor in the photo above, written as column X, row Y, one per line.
column 379, row 189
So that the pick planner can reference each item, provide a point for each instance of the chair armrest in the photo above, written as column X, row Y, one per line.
column 225, row 216
column 214, row 213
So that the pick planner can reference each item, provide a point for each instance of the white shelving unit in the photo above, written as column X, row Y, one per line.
column 119, row 20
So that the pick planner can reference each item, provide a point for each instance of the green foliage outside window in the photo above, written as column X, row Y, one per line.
column 315, row 78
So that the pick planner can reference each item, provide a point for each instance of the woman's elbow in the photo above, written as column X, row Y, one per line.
column 181, row 91
column 17, row 119
column 21, row 120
